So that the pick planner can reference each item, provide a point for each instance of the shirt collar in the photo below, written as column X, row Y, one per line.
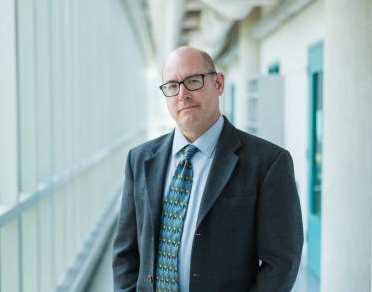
column 206, row 143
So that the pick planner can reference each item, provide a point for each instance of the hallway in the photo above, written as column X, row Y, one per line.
column 79, row 88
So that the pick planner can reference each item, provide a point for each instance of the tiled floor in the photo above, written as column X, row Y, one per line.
column 102, row 280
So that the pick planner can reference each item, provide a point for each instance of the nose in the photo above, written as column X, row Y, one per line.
column 184, row 92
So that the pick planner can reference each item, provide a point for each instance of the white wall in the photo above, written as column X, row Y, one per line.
column 249, row 66
column 232, row 76
column 289, row 45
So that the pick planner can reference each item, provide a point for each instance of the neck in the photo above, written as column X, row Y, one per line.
column 193, row 134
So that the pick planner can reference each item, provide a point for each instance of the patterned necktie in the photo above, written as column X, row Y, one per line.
column 172, row 220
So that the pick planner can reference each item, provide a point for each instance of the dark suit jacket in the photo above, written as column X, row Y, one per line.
column 249, row 233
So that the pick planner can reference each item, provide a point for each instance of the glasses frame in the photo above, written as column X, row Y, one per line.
column 203, row 75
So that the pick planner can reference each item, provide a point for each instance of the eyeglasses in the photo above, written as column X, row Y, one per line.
column 193, row 82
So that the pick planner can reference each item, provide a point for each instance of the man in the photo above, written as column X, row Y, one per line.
column 206, row 207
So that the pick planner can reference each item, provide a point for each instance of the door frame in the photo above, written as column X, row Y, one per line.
column 316, row 66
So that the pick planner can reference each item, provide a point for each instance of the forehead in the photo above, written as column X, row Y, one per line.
column 179, row 66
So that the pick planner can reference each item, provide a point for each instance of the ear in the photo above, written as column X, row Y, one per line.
column 220, row 82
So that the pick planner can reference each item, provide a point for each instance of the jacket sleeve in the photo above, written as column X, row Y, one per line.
column 279, row 228
column 125, row 249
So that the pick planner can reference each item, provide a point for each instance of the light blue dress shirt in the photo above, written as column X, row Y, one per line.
column 201, row 163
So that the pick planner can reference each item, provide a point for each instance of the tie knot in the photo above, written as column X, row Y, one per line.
column 189, row 151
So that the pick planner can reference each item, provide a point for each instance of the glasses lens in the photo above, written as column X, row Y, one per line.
column 194, row 82
column 170, row 89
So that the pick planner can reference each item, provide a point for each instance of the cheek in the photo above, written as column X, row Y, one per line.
column 210, row 104
column 171, row 108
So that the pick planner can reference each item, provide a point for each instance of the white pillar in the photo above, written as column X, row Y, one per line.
column 347, row 189
column 249, row 56
column 8, row 105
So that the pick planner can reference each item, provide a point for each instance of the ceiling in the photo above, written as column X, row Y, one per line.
column 206, row 24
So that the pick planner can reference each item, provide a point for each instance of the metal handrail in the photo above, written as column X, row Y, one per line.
column 46, row 188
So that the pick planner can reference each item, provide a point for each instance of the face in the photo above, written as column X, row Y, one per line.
column 193, row 111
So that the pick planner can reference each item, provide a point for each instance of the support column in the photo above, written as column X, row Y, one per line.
column 8, row 105
column 346, row 206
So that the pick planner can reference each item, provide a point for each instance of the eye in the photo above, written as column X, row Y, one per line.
column 193, row 81
column 171, row 86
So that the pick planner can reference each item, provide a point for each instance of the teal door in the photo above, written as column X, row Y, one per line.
column 274, row 69
column 315, row 156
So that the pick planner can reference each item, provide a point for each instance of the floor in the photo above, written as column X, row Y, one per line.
column 306, row 282
column 102, row 278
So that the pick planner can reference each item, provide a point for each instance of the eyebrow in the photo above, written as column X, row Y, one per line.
column 173, row 80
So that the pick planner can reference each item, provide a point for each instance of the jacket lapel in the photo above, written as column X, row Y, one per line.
column 223, row 164
column 155, row 172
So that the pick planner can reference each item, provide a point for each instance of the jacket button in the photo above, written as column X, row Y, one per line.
column 195, row 275
column 150, row 278
column 197, row 234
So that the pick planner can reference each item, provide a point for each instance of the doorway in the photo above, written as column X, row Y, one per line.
column 315, row 156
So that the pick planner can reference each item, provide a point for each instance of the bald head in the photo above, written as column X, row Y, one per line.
column 195, row 107
column 190, row 53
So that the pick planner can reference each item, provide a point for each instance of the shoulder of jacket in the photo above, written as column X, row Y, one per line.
column 260, row 146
